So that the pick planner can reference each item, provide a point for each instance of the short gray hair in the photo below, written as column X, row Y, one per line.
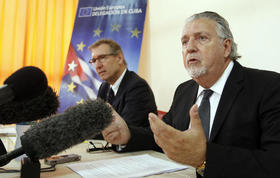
column 115, row 47
column 222, row 29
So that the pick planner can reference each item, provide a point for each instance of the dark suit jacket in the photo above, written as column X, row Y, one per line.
column 245, row 136
column 133, row 101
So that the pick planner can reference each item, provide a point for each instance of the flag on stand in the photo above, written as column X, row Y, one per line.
column 120, row 20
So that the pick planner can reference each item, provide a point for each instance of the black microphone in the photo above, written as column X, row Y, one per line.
column 24, row 84
column 59, row 132
column 32, row 109
column 25, row 96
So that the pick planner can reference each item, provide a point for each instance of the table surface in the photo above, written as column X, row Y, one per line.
column 65, row 172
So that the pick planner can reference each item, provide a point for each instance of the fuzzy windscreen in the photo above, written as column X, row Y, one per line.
column 59, row 132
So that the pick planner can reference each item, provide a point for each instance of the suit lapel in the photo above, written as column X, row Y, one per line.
column 192, row 95
column 232, row 88
column 183, row 105
column 103, row 90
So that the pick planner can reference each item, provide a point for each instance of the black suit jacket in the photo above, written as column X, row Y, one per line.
column 245, row 136
column 133, row 101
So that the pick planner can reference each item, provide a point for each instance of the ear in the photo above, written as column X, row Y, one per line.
column 120, row 58
column 227, row 47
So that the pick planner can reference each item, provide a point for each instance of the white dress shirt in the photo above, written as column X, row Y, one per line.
column 217, row 89
column 116, row 85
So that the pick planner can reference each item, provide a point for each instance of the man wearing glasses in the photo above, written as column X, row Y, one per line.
column 129, row 94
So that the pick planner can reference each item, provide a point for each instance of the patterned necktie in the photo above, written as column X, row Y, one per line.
column 110, row 96
column 204, row 112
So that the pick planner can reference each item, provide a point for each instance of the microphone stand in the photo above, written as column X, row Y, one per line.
column 30, row 168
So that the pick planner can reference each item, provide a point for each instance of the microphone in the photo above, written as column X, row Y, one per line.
column 59, row 132
column 32, row 109
column 25, row 96
column 24, row 84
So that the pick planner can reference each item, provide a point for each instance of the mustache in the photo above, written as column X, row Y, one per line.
column 193, row 56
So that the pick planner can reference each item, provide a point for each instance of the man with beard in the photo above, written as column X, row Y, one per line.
column 225, row 122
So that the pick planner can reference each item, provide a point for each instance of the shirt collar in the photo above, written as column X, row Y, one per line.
column 116, row 85
column 218, row 87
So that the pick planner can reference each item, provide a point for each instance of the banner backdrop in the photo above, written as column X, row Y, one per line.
column 120, row 20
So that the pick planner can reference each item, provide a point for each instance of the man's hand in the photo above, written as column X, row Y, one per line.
column 186, row 147
column 117, row 132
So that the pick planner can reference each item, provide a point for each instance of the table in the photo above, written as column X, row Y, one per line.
column 65, row 172
column 8, row 136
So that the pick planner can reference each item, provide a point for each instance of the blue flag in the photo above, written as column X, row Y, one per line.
column 120, row 20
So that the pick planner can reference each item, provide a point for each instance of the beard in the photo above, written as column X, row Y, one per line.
column 196, row 72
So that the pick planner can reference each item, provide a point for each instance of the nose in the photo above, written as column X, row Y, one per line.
column 191, row 47
column 98, row 64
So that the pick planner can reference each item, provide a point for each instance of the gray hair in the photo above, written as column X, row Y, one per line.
column 115, row 47
column 222, row 29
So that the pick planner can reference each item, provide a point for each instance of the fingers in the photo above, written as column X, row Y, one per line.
column 194, row 112
column 111, row 133
column 162, row 132
column 175, row 143
column 106, row 132
column 157, row 127
column 196, row 129
column 112, row 127
column 156, row 124
column 112, row 137
column 194, row 117
column 117, row 131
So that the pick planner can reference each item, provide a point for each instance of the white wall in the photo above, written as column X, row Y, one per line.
column 254, row 23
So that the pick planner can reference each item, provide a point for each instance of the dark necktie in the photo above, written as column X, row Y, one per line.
column 204, row 112
column 110, row 96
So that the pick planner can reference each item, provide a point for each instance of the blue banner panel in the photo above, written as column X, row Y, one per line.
column 120, row 20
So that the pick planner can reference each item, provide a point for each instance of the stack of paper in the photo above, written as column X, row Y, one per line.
column 129, row 166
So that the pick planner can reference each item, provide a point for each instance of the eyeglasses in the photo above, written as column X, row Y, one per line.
column 101, row 58
column 98, row 146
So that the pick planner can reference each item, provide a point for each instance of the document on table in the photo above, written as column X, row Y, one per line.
column 129, row 166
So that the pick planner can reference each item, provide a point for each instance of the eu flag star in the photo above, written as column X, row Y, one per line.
column 97, row 32
column 81, row 46
column 80, row 102
column 116, row 27
column 71, row 87
column 135, row 33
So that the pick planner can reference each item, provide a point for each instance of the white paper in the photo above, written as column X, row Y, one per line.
column 129, row 166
